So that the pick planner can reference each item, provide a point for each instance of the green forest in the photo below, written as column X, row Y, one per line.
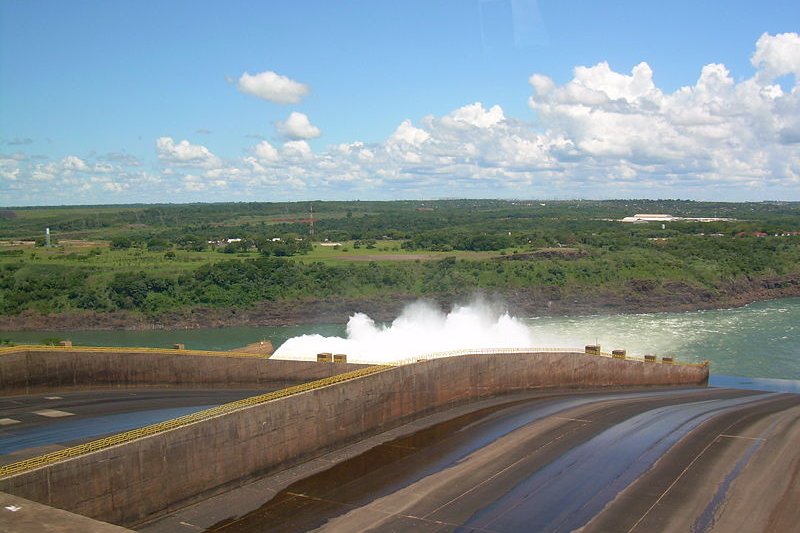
column 149, row 260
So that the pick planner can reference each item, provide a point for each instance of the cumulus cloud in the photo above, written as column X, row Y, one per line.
column 273, row 87
column 266, row 152
column 194, row 183
column 74, row 163
column 602, row 133
column 115, row 187
column 74, row 179
column 184, row 153
column 297, row 127
column 407, row 134
column 475, row 115
column 296, row 150
column 9, row 168
column 777, row 55
column 715, row 133
column 42, row 173
column 103, row 168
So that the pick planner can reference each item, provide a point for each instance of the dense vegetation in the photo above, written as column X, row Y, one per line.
column 152, row 259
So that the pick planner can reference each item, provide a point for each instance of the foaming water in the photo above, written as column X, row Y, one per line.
column 758, row 340
column 420, row 329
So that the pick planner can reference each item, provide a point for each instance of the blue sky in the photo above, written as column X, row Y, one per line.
column 118, row 102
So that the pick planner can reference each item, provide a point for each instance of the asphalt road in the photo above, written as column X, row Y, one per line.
column 680, row 460
column 36, row 424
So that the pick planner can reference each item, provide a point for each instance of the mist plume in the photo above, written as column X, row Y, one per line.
column 420, row 329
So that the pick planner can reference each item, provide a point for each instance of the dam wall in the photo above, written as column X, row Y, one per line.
column 28, row 370
column 139, row 479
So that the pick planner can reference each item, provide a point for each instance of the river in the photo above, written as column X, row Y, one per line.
column 758, row 340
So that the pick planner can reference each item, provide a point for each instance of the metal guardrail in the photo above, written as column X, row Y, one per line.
column 120, row 438
column 8, row 350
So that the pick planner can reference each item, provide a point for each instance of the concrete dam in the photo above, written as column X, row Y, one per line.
column 179, row 474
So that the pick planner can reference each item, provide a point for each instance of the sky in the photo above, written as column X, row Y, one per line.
column 113, row 102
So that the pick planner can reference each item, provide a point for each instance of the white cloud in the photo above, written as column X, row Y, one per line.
column 266, row 152
column 195, row 183
column 184, row 153
column 74, row 163
column 103, row 168
column 297, row 126
column 407, row 134
column 273, row 87
column 601, row 133
column 541, row 84
column 475, row 115
column 715, row 133
column 41, row 172
column 297, row 149
column 9, row 168
column 115, row 187
column 777, row 55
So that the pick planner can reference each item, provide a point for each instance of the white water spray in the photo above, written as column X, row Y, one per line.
column 420, row 329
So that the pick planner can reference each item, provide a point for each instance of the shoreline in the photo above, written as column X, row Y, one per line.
column 639, row 297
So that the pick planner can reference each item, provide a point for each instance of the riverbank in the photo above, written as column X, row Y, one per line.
column 638, row 296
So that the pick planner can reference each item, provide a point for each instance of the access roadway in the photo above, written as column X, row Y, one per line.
column 39, row 423
column 693, row 459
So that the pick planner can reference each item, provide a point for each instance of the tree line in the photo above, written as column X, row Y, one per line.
column 703, row 262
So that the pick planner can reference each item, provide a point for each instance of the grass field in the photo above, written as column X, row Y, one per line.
column 385, row 250
column 103, row 263
column 158, row 258
column 96, row 253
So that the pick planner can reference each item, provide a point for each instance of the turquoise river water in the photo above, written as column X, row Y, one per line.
column 758, row 340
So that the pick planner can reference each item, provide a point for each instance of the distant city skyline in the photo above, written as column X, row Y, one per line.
column 144, row 102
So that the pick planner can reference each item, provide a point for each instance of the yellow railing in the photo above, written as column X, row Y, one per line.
column 120, row 438
column 8, row 350
column 500, row 351
column 658, row 360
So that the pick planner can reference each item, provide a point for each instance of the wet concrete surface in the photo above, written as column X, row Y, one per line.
column 698, row 483
column 570, row 491
column 548, row 462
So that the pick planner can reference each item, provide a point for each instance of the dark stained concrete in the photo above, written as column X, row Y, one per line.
column 679, row 460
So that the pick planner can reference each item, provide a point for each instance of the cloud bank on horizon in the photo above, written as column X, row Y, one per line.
column 601, row 134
